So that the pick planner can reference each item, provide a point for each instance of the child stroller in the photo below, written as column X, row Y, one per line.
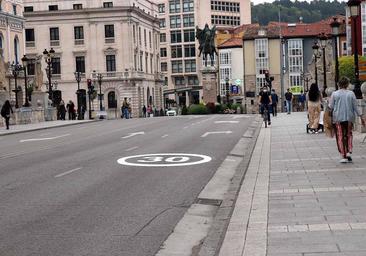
column 321, row 123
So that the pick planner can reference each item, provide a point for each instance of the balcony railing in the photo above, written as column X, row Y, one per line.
column 79, row 41
column 55, row 43
column 30, row 44
column 109, row 40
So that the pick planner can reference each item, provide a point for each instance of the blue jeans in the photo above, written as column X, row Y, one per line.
column 126, row 113
column 288, row 106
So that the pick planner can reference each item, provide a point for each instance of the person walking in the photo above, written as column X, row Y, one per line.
column 274, row 98
column 5, row 113
column 343, row 104
column 125, row 107
column 302, row 100
column 62, row 110
column 265, row 101
column 314, row 100
column 288, row 97
column 144, row 111
column 71, row 110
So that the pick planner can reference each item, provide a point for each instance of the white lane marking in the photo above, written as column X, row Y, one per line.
column 237, row 117
column 185, row 127
column 68, row 172
column 165, row 135
column 221, row 132
column 133, row 134
column 164, row 160
column 226, row 122
column 130, row 149
column 41, row 139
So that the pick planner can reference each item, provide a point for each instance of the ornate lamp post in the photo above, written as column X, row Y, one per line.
column 25, row 61
column 306, row 78
column 316, row 56
column 78, row 79
column 15, row 70
column 323, row 42
column 100, row 79
column 354, row 11
column 48, row 55
column 335, row 32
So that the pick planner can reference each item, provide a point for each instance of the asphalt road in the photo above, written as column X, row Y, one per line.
column 62, row 191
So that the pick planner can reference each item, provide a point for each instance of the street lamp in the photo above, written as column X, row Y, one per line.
column 306, row 78
column 335, row 32
column 15, row 69
column 316, row 56
column 100, row 79
column 78, row 94
column 227, row 90
column 354, row 11
column 25, row 61
column 323, row 42
column 48, row 55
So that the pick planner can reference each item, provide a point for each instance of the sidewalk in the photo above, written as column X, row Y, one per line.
column 40, row 126
column 296, row 199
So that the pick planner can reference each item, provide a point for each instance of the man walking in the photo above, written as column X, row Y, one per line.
column 265, row 101
column 288, row 97
column 5, row 113
column 274, row 97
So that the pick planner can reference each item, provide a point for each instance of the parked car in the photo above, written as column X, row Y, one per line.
column 171, row 112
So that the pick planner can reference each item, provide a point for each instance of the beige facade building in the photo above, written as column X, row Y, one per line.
column 11, row 38
column 118, row 39
column 178, row 46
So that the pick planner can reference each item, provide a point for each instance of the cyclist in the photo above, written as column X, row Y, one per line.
column 265, row 100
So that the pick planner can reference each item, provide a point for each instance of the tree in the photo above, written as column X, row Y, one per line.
column 347, row 67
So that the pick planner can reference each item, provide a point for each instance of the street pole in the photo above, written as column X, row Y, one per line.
column 100, row 77
column 336, row 77
column 16, row 89
column 357, row 89
column 78, row 79
column 324, row 73
column 26, row 87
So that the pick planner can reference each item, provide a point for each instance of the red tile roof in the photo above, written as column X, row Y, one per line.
column 231, row 43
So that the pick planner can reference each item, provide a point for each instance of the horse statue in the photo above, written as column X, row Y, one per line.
column 206, row 39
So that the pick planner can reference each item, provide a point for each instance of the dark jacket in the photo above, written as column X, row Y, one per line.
column 5, row 110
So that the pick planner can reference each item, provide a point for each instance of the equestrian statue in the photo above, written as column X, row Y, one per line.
column 206, row 39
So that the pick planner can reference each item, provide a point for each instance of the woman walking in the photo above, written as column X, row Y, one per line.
column 344, row 105
column 5, row 113
column 314, row 100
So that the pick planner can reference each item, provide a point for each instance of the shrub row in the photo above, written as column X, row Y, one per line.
column 211, row 108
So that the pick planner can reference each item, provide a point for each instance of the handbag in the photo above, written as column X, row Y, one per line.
column 328, row 123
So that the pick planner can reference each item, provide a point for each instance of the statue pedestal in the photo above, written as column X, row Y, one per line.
column 209, row 84
column 39, row 99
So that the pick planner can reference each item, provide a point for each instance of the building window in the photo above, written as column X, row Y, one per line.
column 150, row 40
column 77, row 6
column 29, row 37
column 190, row 66
column 140, row 36
column 164, row 66
column 56, row 66
column 162, row 38
column 177, row 66
column 141, row 63
column 54, row 34
column 14, row 9
column 176, row 51
column 107, row 4
column 189, row 35
column 224, row 6
column 16, row 50
column 80, row 64
column 146, row 63
column 175, row 21
column 162, row 23
column 28, row 9
column 188, row 5
column 161, row 8
column 179, row 81
column 190, row 50
column 109, row 31
column 225, row 57
column 174, row 6
column 112, row 102
column 188, row 20
column 111, row 63
column 193, row 80
column 295, row 61
column 53, row 7
column 228, row 20
column 31, row 68
column 145, row 39
column 163, row 52
column 176, row 36
column 261, row 61
column 79, row 32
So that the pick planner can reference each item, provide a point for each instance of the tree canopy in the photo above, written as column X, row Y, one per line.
column 291, row 11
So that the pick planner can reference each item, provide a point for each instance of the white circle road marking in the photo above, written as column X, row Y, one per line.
column 164, row 160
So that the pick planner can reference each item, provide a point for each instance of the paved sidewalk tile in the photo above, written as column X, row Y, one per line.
column 316, row 205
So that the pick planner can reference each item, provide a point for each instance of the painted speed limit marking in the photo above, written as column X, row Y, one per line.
column 164, row 160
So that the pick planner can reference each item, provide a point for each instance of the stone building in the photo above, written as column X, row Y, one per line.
column 11, row 43
column 179, row 56
column 118, row 39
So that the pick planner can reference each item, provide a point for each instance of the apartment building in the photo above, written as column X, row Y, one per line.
column 180, row 62
column 118, row 39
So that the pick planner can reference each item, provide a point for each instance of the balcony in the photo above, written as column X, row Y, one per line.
column 79, row 41
column 109, row 40
column 30, row 44
column 55, row 43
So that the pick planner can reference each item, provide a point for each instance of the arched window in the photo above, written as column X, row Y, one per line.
column 112, row 102
column 16, row 50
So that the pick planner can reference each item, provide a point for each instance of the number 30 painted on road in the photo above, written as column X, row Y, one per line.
column 164, row 160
